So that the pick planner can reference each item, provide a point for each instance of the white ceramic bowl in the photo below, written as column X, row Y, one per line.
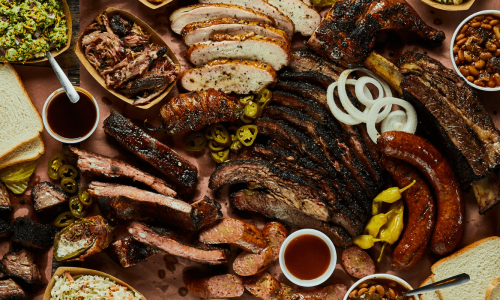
column 380, row 276
column 61, row 138
column 452, row 56
column 322, row 278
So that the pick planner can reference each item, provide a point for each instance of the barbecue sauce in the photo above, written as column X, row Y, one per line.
column 307, row 257
column 71, row 120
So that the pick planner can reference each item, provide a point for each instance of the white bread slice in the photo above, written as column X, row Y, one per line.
column 493, row 290
column 481, row 260
column 20, row 122
column 430, row 295
column 27, row 152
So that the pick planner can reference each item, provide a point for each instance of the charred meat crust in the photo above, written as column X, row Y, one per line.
column 304, row 89
column 130, row 203
column 94, row 165
column 48, row 198
column 5, row 205
column 129, row 252
column 178, row 243
column 20, row 263
column 6, row 228
column 32, row 234
column 273, row 208
column 306, row 60
column 290, row 188
column 147, row 148
column 311, row 77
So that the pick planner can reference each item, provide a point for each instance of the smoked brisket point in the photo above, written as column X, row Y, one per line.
column 178, row 244
column 147, row 148
column 10, row 290
column 20, row 264
column 130, row 203
column 48, row 199
column 129, row 252
column 270, row 206
column 289, row 188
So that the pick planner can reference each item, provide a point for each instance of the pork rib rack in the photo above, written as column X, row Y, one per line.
column 347, row 34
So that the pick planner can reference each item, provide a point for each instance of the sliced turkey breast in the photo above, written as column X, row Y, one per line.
column 258, row 48
column 238, row 76
column 204, row 12
column 282, row 22
column 308, row 2
column 202, row 31
column 305, row 17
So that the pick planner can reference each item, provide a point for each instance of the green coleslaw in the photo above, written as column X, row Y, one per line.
column 29, row 29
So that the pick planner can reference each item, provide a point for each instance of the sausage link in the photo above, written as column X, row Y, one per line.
column 450, row 203
column 275, row 234
column 421, row 214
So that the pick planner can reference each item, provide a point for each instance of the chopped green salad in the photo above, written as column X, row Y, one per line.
column 30, row 28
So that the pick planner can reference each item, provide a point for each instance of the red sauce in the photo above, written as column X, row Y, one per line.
column 71, row 120
column 307, row 257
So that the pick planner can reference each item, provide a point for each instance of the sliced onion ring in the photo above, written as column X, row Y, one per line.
column 336, row 111
column 363, row 93
column 395, row 121
column 410, row 126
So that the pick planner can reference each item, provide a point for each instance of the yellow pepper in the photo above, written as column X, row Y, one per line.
column 375, row 223
column 391, row 231
column 390, row 195
column 365, row 241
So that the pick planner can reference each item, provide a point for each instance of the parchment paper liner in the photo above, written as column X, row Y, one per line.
column 155, row 38
column 82, row 271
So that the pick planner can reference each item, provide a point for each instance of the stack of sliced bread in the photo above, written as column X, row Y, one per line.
column 481, row 260
column 20, row 123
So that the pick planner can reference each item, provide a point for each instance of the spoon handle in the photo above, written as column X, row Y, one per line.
column 446, row 283
column 68, row 87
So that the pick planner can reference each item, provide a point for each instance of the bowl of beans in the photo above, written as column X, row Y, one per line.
column 378, row 287
column 475, row 50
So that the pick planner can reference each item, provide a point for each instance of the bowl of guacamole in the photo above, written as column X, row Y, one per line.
column 31, row 28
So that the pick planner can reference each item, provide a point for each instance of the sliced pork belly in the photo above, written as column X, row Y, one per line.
column 305, row 18
column 238, row 76
column 204, row 12
column 202, row 31
column 282, row 22
column 258, row 48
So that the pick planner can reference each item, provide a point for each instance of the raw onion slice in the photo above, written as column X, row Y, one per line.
column 395, row 121
column 410, row 126
column 336, row 111
column 363, row 92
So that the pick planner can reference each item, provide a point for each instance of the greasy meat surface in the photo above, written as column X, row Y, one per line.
column 238, row 76
column 286, row 186
column 130, row 203
column 347, row 34
column 304, row 60
column 272, row 207
column 33, row 234
column 178, row 244
column 454, row 118
column 21, row 264
column 99, row 166
column 5, row 206
column 129, row 252
column 147, row 148
column 10, row 290
column 48, row 198
column 193, row 111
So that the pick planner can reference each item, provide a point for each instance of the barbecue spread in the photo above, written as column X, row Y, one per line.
column 122, row 52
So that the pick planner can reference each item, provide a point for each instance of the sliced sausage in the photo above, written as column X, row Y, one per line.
column 358, row 263
column 331, row 292
column 248, row 264
column 421, row 214
column 450, row 203
column 264, row 286
column 235, row 232
column 213, row 287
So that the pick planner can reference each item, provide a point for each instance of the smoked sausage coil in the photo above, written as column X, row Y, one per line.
column 450, row 203
column 421, row 213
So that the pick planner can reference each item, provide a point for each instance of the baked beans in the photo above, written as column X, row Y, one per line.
column 476, row 51
column 377, row 289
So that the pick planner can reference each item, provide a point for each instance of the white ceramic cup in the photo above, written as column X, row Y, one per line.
column 61, row 138
column 322, row 278
column 452, row 56
column 380, row 276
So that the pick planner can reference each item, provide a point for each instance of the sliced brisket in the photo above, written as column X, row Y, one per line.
column 10, row 290
column 33, row 234
column 20, row 264
column 311, row 77
column 48, row 199
column 129, row 252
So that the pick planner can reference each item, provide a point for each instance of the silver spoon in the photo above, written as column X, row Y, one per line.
column 67, row 86
column 446, row 283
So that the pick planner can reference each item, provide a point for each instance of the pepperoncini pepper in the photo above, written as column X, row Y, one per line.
column 220, row 135
column 365, row 241
column 195, row 142
column 391, row 231
column 390, row 195
column 375, row 223
column 247, row 134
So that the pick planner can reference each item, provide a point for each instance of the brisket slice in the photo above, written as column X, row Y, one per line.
column 98, row 166
column 32, row 234
column 6, row 228
column 10, row 290
column 129, row 252
column 344, row 213
column 147, row 148
column 267, row 204
column 311, row 77
column 130, row 203
column 306, row 90
column 5, row 205
column 304, row 60
column 285, row 186
column 49, row 199
column 178, row 244
column 20, row 264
